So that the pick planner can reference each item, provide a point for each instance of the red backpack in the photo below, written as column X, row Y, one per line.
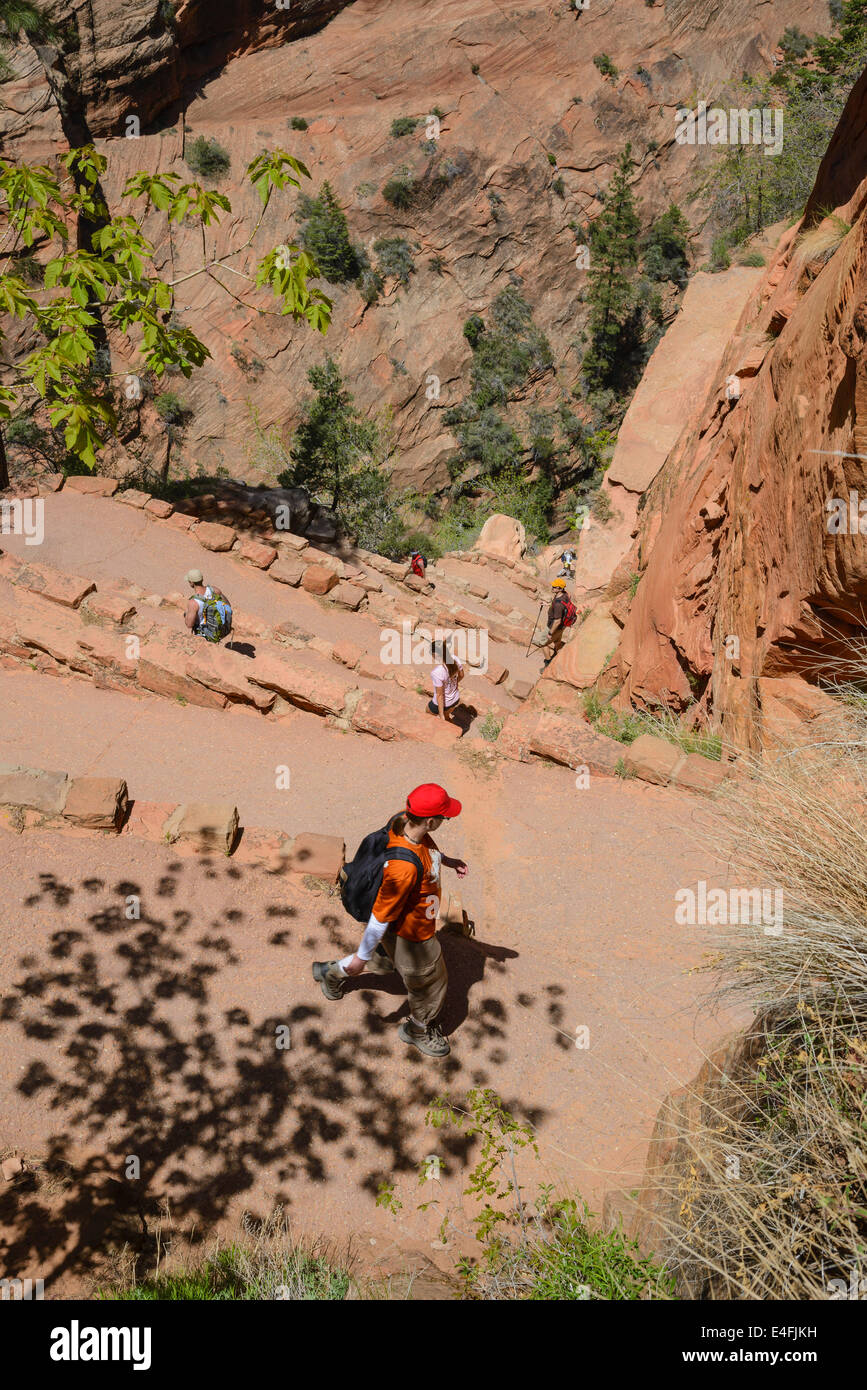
column 417, row 564
column 570, row 612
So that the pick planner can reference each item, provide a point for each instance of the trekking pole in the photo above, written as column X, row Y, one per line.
column 535, row 625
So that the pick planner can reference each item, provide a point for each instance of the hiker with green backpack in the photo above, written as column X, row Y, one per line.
column 209, row 612
column 393, row 885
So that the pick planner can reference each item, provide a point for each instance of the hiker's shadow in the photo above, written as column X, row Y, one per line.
column 465, row 959
column 464, row 716
column 242, row 648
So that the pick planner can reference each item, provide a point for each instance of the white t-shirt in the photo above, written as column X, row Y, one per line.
column 199, row 601
column 440, row 677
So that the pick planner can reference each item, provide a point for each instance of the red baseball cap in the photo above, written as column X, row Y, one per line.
column 431, row 800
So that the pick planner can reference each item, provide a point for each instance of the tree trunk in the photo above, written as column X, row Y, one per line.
column 4, row 467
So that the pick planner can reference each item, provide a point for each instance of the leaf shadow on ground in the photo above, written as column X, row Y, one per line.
column 132, row 1033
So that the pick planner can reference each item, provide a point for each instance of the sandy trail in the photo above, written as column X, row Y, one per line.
column 156, row 1037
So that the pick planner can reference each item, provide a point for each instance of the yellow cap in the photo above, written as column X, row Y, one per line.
column 558, row 583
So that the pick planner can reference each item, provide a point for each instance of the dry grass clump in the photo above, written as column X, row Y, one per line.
column 819, row 242
column 772, row 1190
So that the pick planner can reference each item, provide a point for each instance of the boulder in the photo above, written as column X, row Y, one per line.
column 257, row 554
column 519, row 689
column 213, row 536
column 653, row 759
column 310, row 690
column 293, row 542
column 113, row 607
column 585, row 654
column 347, row 595
column 288, row 569
column 502, row 537
column 91, row 486
column 107, row 651
column 698, row 774
column 347, row 653
column 31, row 787
column 318, row 580
column 131, row 497
column 181, row 521
column 389, row 720
column 66, row 589
column 162, row 510
column 97, row 803
column 573, row 743
column 218, row 668
column 203, row 825
column 163, row 670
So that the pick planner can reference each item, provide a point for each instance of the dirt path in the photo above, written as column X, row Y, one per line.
column 156, row 1038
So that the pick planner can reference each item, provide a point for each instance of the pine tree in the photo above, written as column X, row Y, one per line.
column 333, row 439
column 611, row 294
column 326, row 236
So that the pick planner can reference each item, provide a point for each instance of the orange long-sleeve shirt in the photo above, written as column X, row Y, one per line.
column 412, row 912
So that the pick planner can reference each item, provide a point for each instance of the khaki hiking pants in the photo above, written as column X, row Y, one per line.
column 422, row 968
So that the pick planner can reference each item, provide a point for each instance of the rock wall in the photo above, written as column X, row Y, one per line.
column 741, row 578
column 241, row 73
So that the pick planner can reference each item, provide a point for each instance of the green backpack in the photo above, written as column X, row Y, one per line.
column 215, row 621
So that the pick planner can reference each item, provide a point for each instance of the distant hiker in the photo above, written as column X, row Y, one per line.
column 446, row 675
column 209, row 612
column 393, row 885
column 562, row 614
column 418, row 563
column 567, row 565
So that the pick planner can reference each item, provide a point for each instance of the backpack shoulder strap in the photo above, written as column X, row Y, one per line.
column 407, row 856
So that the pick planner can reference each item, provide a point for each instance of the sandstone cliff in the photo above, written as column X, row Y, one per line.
column 518, row 88
column 743, row 580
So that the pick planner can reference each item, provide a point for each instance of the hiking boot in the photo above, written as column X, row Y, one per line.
column 330, row 988
column 428, row 1040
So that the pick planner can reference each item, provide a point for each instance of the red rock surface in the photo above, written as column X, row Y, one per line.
column 734, row 540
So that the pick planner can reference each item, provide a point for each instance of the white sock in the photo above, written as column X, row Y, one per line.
column 340, row 965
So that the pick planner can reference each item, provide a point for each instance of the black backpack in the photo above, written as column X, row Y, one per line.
column 361, row 880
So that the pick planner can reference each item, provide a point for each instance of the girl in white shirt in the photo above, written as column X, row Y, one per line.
column 446, row 675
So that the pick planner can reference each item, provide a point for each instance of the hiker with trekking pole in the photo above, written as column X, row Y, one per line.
column 562, row 614
column 393, row 885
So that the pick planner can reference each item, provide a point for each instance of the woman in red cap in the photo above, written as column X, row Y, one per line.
column 400, row 933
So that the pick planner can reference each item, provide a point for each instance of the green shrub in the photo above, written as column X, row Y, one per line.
column 559, row 187
column 666, row 249
column 370, row 284
column 605, row 65
column 753, row 258
column 794, row 43
column 473, row 329
column 325, row 235
column 403, row 125
column 207, row 158
column 394, row 258
column 171, row 409
column 400, row 189
column 241, row 1273
column 719, row 254
column 298, row 123
column 491, row 727
column 250, row 366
